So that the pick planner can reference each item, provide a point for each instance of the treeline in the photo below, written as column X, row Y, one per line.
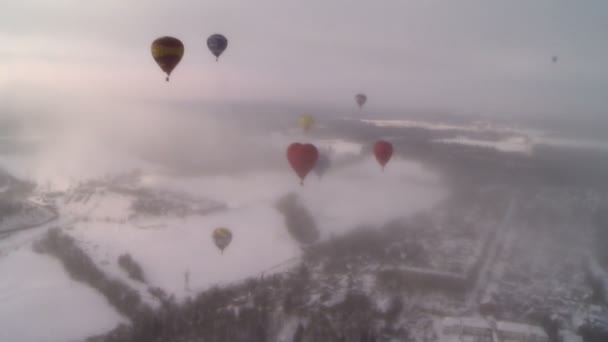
column 9, row 207
column 82, row 268
column 385, row 249
column 253, row 311
column 211, row 316
column 256, row 311
column 133, row 269
column 298, row 219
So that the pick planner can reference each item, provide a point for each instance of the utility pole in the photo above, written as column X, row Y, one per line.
column 187, row 281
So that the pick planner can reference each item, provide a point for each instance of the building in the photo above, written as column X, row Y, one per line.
column 473, row 329
column 568, row 336
column 518, row 332
column 465, row 329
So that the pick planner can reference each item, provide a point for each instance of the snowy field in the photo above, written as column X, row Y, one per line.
column 526, row 144
column 522, row 140
column 167, row 247
column 29, row 215
column 511, row 144
column 360, row 194
column 40, row 303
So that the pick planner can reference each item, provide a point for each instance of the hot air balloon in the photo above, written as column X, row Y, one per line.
column 167, row 52
column 217, row 44
column 323, row 164
column 302, row 158
column 360, row 99
column 306, row 121
column 383, row 151
column 222, row 238
column 554, row 59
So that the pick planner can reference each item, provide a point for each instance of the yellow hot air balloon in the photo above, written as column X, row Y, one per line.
column 222, row 238
column 306, row 121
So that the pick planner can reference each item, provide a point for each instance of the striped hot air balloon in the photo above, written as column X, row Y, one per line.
column 167, row 52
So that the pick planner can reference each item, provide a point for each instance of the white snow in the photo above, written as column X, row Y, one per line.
column 185, row 245
column 579, row 143
column 519, row 328
column 598, row 273
column 98, row 205
column 569, row 336
column 288, row 329
column 348, row 196
column 525, row 144
column 522, row 139
column 360, row 193
column 425, row 124
column 29, row 216
column 511, row 144
column 338, row 146
column 476, row 328
column 40, row 303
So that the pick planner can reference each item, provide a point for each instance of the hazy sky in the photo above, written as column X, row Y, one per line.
column 466, row 56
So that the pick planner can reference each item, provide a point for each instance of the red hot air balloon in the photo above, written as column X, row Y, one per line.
column 302, row 158
column 383, row 151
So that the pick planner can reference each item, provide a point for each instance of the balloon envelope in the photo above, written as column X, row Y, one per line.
column 167, row 52
column 360, row 99
column 302, row 158
column 306, row 121
column 222, row 237
column 383, row 151
column 217, row 43
column 323, row 164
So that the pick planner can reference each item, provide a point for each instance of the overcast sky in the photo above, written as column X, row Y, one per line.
column 486, row 57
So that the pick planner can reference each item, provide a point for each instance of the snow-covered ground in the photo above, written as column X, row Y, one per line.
column 522, row 139
column 39, row 302
column 511, row 144
column 338, row 147
column 526, row 144
column 28, row 215
column 167, row 247
column 579, row 143
column 360, row 194
column 479, row 126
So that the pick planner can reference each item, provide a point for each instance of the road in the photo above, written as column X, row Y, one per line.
column 25, row 235
column 483, row 276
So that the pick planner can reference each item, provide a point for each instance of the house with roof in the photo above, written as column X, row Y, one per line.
column 477, row 329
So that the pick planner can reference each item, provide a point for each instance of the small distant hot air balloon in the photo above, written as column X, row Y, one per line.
column 383, row 151
column 306, row 122
column 222, row 238
column 323, row 164
column 360, row 99
column 217, row 43
column 167, row 52
column 302, row 158
column 554, row 59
